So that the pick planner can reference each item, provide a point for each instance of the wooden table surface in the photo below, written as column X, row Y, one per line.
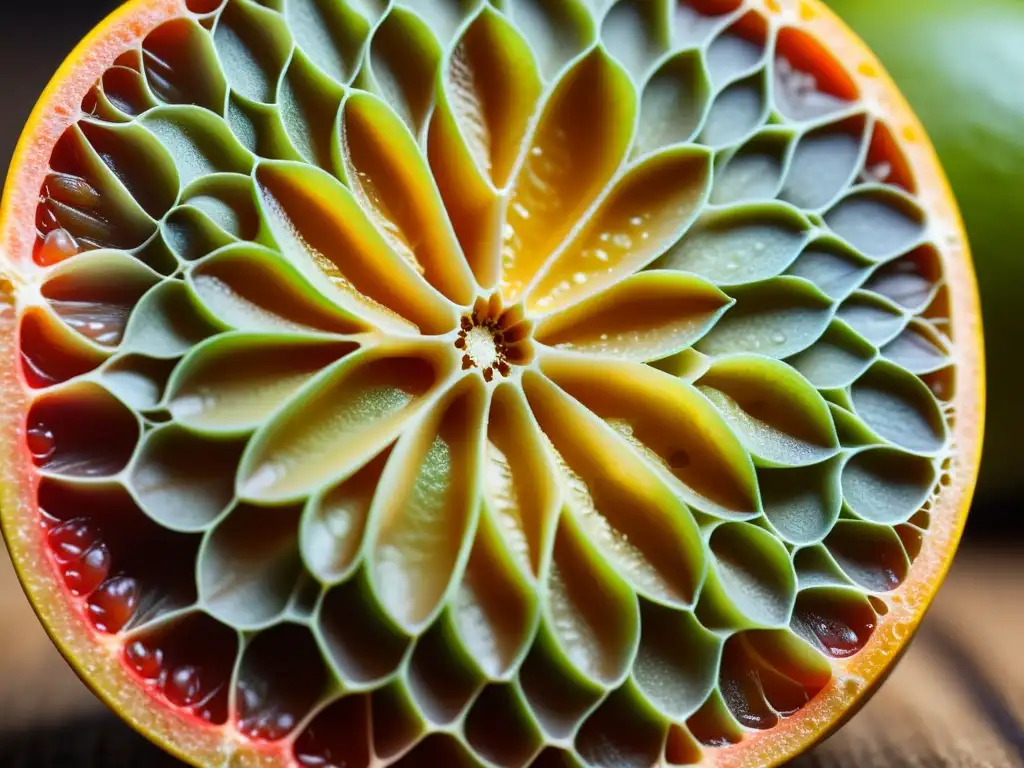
column 955, row 701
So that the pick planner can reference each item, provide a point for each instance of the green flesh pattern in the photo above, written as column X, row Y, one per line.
column 727, row 419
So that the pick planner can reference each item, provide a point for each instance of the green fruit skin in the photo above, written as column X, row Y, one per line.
column 960, row 63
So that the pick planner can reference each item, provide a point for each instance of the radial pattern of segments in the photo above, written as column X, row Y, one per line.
column 526, row 383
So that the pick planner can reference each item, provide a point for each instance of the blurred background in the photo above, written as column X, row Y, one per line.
column 961, row 64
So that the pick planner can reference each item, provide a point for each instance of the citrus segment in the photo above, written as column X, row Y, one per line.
column 482, row 384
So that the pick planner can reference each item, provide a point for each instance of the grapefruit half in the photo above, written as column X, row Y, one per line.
column 525, row 383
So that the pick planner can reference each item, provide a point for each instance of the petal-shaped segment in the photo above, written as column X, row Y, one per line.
column 166, row 322
column 589, row 611
column 831, row 265
column 737, row 112
column 753, row 171
column 393, row 185
column 632, row 517
column 402, row 63
column 780, row 417
column 581, row 138
column 880, row 223
column 751, row 581
column 911, row 281
column 179, row 64
column 251, row 288
column 331, row 35
column 646, row 211
column 623, row 729
column 835, row 360
column 444, row 16
column 677, row 660
column 899, row 407
column 557, row 30
column 495, row 609
column 742, row 244
column 645, row 317
column 491, row 87
column 669, row 423
column 253, row 45
column 334, row 522
column 425, row 507
column 307, row 104
column 777, row 317
column 182, row 481
column 249, row 565
column 637, row 33
column 871, row 555
column 802, row 503
column 825, row 162
column 674, row 102
column 340, row 419
column 886, row 485
column 875, row 318
column 233, row 382
column 199, row 141
column 919, row 348
column 489, row 90
column 96, row 292
column 320, row 227
column 521, row 489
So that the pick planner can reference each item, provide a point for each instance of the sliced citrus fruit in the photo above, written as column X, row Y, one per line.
column 465, row 384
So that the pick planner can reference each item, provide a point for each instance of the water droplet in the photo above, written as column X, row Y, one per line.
column 759, row 246
column 41, row 443
column 778, row 337
column 636, row 221
column 579, row 278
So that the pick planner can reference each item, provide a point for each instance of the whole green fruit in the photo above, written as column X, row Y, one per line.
column 960, row 63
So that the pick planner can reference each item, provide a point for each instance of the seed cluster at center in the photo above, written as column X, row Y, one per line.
column 494, row 339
